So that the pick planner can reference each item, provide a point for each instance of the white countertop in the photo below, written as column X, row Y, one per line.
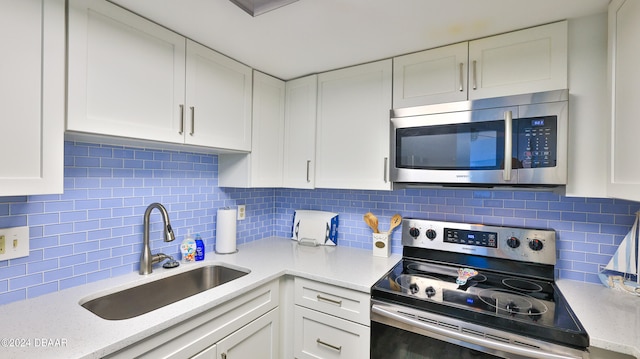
column 56, row 326
column 611, row 318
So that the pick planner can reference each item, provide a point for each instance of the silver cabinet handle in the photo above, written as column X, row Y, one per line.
column 508, row 145
column 308, row 171
column 386, row 168
column 181, row 120
column 333, row 301
column 461, row 79
column 223, row 356
column 475, row 78
column 193, row 121
column 336, row 348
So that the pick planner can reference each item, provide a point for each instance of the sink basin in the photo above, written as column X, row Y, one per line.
column 131, row 302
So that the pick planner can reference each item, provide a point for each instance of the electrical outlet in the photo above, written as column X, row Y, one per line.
column 14, row 243
column 242, row 212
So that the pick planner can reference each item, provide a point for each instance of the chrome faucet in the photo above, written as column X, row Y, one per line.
column 146, row 258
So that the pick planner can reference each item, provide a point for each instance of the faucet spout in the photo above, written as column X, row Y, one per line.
column 146, row 258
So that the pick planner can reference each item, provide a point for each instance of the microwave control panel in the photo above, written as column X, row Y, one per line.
column 537, row 142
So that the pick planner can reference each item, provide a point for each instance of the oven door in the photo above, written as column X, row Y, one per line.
column 456, row 147
column 403, row 332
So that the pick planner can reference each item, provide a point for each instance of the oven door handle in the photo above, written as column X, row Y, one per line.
column 458, row 336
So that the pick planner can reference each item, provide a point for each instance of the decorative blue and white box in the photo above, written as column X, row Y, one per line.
column 315, row 227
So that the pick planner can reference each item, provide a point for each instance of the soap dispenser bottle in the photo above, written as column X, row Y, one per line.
column 199, row 248
column 188, row 248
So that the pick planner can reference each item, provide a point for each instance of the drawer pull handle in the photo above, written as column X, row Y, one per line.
column 333, row 301
column 338, row 349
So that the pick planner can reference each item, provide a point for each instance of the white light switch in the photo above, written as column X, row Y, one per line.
column 14, row 242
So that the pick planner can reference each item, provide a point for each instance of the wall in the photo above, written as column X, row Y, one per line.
column 94, row 230
column 588, row 230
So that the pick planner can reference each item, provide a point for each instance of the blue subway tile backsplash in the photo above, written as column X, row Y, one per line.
column 94, row 230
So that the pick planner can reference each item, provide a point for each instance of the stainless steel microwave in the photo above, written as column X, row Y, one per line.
column 517, row 140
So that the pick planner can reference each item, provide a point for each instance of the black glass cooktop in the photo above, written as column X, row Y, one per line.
column 518, row 304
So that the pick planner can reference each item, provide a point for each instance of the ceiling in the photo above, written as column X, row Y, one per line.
column 312, row 36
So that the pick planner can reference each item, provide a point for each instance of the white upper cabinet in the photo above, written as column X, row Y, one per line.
column 129, row 77
column 218, row 100
column 432, row 76
column 263, row 166
column 300, row 132
column 126, row 74
column 588, row 107
column 624, row 56
column 352, row 135
column 32, row 96
column 524, row 61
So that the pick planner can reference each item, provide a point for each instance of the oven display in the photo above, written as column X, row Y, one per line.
column 473, row 238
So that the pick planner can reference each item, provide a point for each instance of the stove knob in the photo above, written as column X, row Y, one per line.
column 512, row 308
column 513, row 242
column 430, row 291
column 414, row 232
column 535, row 244
column 431, row 234
column 413, row 288
column 534, row 314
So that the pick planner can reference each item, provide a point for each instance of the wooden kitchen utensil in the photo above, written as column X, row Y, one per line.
column 395, row 221
column 372, row 221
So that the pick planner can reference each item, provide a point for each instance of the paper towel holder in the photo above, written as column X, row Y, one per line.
column 234, row 252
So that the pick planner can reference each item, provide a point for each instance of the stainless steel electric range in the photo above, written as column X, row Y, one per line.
column 473, row 291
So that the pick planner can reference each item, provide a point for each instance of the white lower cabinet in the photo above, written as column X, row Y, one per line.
column 319, row 335
column 244, row 327
column 257, row 340
column 330, row 321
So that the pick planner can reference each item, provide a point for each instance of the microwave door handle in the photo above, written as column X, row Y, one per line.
column 508, row 145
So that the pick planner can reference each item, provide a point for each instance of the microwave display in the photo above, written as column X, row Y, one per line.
column 477, row 145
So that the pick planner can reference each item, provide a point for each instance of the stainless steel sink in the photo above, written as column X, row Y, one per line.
column 131, row 302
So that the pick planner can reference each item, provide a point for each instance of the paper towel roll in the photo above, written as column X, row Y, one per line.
column 226, row 231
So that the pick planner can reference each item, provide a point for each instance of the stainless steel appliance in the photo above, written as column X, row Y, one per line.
column 516, row 140
column 473, row 291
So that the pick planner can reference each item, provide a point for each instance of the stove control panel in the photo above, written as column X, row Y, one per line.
column 471, row 238
column 523, row 244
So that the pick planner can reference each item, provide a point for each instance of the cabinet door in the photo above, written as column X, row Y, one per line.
column 32, row 96
column 218, row 92
column 530, row 60
column 300, row 132
column 352, row 132
column 257, row 340
column 319, row 335
column 267, row 149
column 624, row 30
column 263, row 166
column 126, row 74
column 432, row 76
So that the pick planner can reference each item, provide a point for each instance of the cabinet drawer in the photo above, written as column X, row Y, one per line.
column 319, row 335
column 341, row 302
